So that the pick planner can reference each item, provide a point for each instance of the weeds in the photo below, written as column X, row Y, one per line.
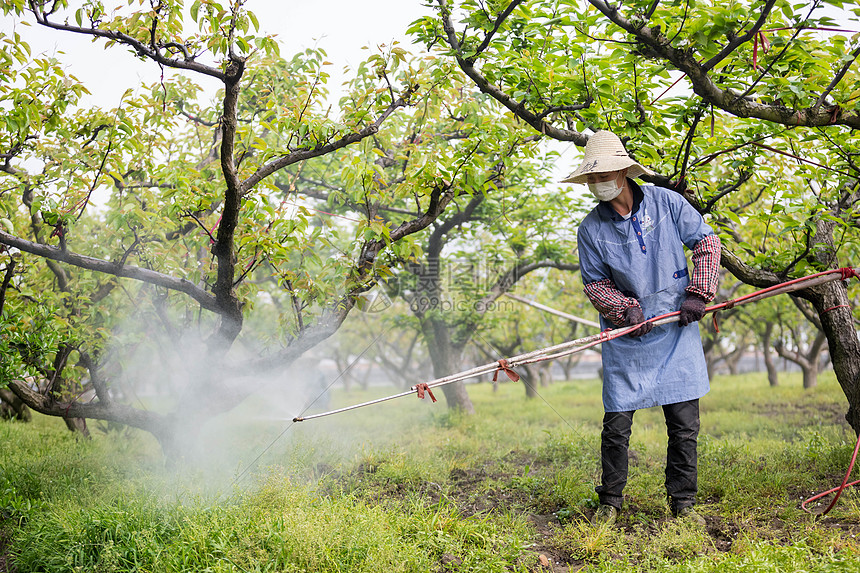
column 583, row 541
column 413, row 488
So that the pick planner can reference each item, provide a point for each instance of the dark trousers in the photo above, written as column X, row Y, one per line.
column 682, row 427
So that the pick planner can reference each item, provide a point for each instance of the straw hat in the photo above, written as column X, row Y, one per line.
column 604, row 152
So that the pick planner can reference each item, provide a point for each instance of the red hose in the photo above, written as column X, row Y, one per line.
column 838, row 490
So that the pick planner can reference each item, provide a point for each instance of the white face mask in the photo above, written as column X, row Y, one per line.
column 606, row 190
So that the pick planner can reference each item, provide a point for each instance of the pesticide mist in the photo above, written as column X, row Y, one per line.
column 167, row 372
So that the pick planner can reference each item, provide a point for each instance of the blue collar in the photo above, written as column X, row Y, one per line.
column 605, row 210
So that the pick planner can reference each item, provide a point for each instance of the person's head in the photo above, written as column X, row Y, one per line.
column 605, row 166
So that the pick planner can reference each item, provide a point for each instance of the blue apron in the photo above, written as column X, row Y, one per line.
column 644, row 256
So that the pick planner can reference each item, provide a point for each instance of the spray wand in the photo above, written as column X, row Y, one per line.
column 581, row 344
column 574, row 346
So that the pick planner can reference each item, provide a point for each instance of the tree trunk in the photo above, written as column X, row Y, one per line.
column 77, row 425
column 446, row 361
column 772, row 373
column 364, row 381
column 14, row 407
column 807, row 361
column 545, row 373
column 531, row 379
column 734, row 357
column 567, row 365
column 831, row 303
column 342, row 365
column 810, row 376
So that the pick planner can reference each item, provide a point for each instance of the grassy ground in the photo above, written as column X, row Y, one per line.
column 404, row 486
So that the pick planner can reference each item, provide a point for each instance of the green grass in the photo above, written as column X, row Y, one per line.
column 407, row 486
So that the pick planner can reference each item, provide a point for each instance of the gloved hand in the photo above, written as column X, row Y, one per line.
column 633, row 315
column 692, row 309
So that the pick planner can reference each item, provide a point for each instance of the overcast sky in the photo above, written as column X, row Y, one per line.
column 340, row 27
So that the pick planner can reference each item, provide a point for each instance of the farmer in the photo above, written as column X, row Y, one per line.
column 631, row 256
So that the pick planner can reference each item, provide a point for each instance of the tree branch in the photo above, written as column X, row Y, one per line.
column 223, row 248
column 467, row 65
column 323, row 196
column 205, row 299
column 727, row 189
column 807, row 311
column 112, row 411
column 140, row 47
column 837, row 78
column 96, row 379
column 754, row 277
column 194, row 118
column 737, row 41
column 7, row 278
column 319, row 150
column 520, row 269
column 499, row 21
column 726, row 99
column 435, row 242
